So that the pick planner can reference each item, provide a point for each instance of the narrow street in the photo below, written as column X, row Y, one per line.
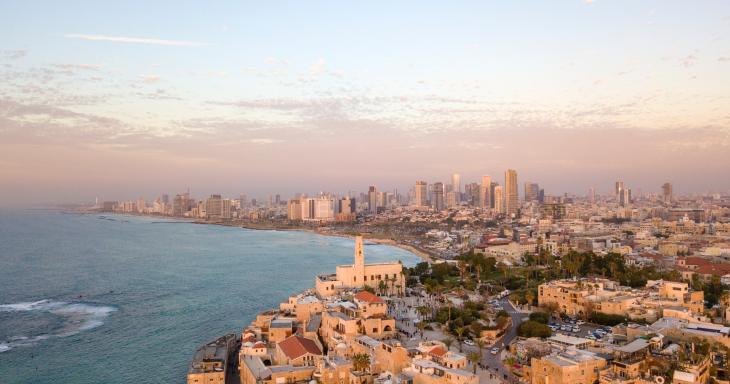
column 494, row 362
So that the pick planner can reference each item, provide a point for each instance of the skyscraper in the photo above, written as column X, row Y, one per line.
column 451, row 199
column 346, row 205
column 471, row 194
column 498, row 200
column 511, row 198
column 294, row 209
column 373, row 199
column 667, row 193
column 531, row 191
column 625, row 197
column 226, row 208
column 592, row 195
column 437, row 200
column 619, row 189
column 421, row 199
column 214, row 206
column 485, row 192
column 456, row 186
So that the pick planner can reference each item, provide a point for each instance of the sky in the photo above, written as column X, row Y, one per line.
column 124, row 99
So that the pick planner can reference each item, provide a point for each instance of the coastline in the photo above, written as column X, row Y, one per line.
column 423, row 255
column 420, row 253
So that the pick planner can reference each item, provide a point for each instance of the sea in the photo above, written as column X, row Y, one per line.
column 90, row 298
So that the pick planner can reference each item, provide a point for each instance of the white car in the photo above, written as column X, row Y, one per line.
column 469, row 342
column 576, row 329
column 580, row 322
column 494, row 351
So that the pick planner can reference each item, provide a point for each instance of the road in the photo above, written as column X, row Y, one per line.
column 494, row 362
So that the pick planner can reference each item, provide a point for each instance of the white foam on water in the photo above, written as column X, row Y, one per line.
column 77, row 317
column 30, row 306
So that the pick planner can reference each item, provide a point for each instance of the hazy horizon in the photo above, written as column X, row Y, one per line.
column 138, row 99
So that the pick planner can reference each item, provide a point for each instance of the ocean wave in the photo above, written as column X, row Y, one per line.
column 76, row 318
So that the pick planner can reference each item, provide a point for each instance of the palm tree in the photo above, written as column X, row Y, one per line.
column 360, row 361
column 462, row 269
column 448, row 342
column 529, row 296
column 459, row 333
column 382, row 286
column 474, row 358
column 421, row 326
column 480, row 344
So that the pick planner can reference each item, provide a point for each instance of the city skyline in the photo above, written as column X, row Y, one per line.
column 288, row 97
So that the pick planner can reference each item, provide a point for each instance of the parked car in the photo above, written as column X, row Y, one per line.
column 469, row 342
column 590, row 337
column 576, row 329
column 580, row 322
column 494, row 351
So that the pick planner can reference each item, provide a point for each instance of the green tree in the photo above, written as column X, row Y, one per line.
column 480, row 344
column 360, row 362
column 533, row 329
column 382, row 286
column 459, row 334
column 448, row 342
column 474, row 358
column 540, row 317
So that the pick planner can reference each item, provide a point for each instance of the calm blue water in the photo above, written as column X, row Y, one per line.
column 90, row 300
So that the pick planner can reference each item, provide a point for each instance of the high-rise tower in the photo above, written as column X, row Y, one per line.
column 667, row 193
column 485, row 192
column 421, row 194
column 437, row 200
column 498, row 200
column 511, row 195
column 456, row 186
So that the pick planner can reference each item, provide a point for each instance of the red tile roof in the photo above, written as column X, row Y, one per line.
column 692, row 260
column 437, row 351
column 368, row 297
column 717, row 269
column 297, row 346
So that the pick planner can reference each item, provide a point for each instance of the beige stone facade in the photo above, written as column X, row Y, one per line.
column 387, row 276
column 579, row 297
column 569, row 367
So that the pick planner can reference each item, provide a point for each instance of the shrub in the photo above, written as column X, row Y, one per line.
column 606, row 319
column 533, row 329
column 540, row 317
